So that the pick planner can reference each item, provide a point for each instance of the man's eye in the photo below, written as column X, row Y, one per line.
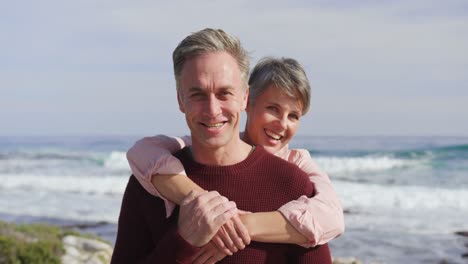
column 196, row 95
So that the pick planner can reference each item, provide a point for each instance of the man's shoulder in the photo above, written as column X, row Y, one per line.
column 278, row 162
column 135, row 189
column 182, row 153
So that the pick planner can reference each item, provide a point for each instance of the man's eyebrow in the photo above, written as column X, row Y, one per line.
column 198, row 89
column 195, row 89
column 227, row 88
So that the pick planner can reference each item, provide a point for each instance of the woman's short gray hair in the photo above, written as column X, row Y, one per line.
column 285, row 74
column 210, row 40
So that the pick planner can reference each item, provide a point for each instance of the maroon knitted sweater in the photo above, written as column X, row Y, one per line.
column 260, row 183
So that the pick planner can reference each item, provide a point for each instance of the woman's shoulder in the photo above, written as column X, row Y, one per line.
column 295, row 155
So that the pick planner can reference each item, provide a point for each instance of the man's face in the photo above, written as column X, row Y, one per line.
column 212, row 96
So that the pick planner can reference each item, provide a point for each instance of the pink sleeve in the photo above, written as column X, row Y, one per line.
column 319, row 218
column 151, row 156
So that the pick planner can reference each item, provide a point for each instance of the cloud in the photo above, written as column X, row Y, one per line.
column 103, row 57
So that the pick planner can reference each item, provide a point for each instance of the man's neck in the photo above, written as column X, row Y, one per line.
column 233, row 153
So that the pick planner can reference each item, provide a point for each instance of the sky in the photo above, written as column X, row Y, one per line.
column 104, row 67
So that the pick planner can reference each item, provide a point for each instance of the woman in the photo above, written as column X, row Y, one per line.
column 279, row 96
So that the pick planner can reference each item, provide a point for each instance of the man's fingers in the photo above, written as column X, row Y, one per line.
column 228, row 242
column 198, row 253
column 233, row 234
column 209, row 254
column 219, row 243
column 241, row 229
column 211, row 260
column 203, row 257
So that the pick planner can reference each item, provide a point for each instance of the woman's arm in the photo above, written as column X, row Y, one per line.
column 174, row 187
column 319, row 218
column 283, row 226
column 271, row 227
column 152, row 156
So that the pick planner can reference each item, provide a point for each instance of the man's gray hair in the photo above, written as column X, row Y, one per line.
column 285, row 74
column 206, row 41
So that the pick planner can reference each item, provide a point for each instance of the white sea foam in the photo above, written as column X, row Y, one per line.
column 370, row 197
column 70, row 206
column 117, row 160
column 87, row 198
column 75, row 184
column 339, row 165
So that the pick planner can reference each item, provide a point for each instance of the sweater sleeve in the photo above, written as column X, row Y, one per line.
column 152, row 156
column 134, row 239
column 320, row 218
column 146, row 236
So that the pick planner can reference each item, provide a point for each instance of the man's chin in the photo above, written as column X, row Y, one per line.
column 215, row 142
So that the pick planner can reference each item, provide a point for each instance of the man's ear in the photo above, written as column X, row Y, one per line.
column 245, row 99
column 181, row 105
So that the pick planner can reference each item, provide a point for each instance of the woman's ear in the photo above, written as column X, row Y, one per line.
column 245, row 102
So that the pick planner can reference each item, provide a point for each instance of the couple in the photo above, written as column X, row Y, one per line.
column 284, row 204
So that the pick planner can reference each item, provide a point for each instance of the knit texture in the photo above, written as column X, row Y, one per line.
column 260, row 183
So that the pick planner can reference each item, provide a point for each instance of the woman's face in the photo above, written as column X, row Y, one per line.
column 273, row 119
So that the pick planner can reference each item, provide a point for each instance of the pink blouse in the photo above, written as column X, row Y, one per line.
column 319, row 218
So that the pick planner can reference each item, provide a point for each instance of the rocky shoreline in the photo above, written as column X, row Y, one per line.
column 43, row 243
column 465, row 235
column 77, row 243
column 85, row 250
column 48, row 243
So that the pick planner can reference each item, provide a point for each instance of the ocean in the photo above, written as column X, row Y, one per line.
column 404, row 197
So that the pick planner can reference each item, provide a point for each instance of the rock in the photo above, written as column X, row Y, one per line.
column 80, row 250
column 462, row 233
column 85, row 225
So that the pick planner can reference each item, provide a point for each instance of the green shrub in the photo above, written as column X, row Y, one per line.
column 24, row 244
column 41, row 252
column 8, row 251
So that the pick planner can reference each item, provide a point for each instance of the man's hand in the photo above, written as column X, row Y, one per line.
column 202, row 214
column 209, row 254
column 232, row 236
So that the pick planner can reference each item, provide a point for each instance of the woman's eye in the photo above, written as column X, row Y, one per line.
column 294, row 116
column 272, row 108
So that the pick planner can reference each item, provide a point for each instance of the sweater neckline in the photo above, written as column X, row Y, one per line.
column 254, row 155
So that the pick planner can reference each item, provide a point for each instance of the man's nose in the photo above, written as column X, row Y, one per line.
column 213, row 106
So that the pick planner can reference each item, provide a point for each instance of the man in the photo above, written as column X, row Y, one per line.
column 211, row 70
